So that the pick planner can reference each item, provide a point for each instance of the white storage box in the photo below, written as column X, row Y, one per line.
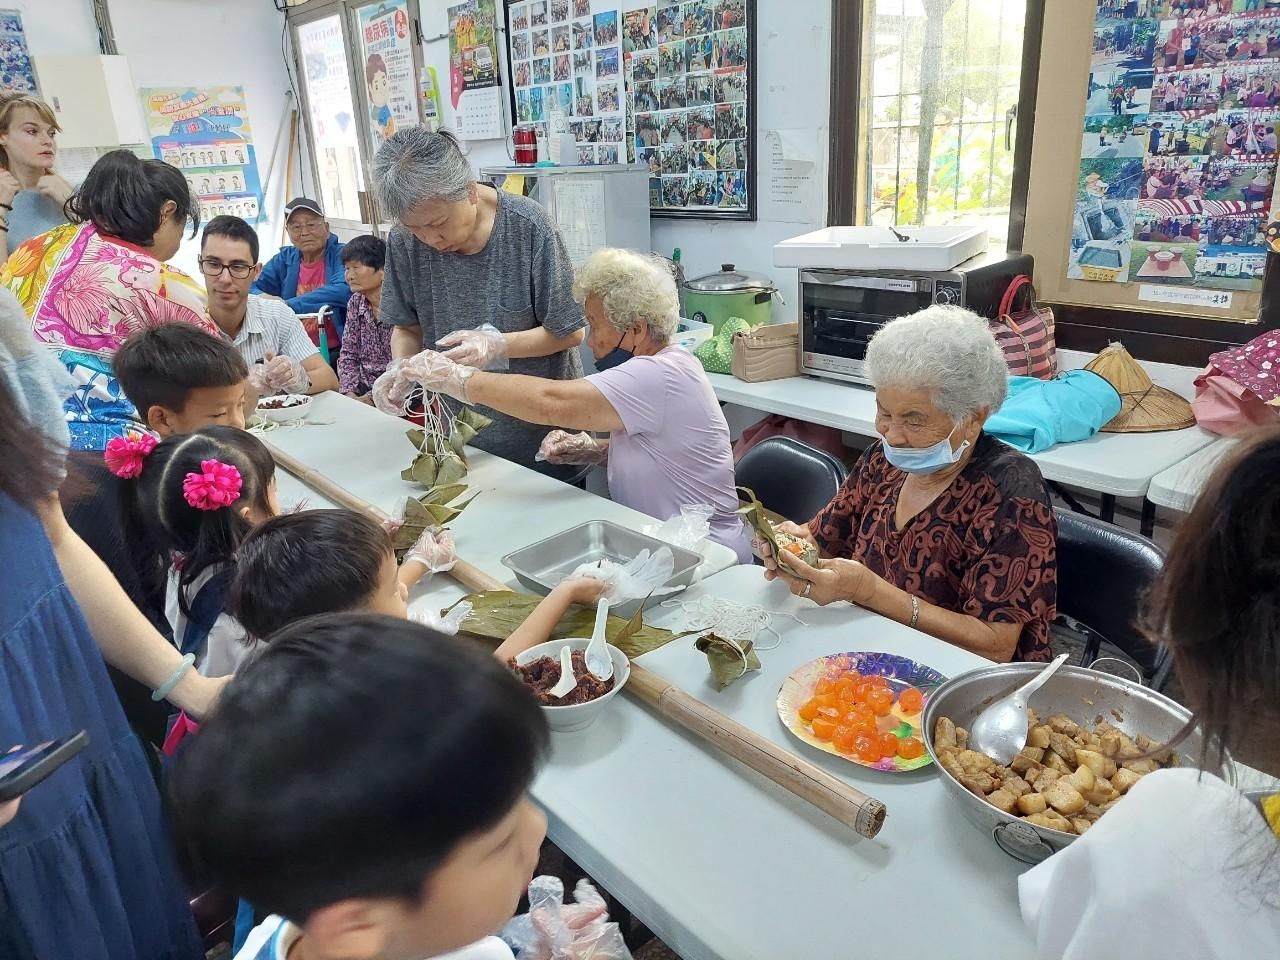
column 876, row 248
column 690, row 333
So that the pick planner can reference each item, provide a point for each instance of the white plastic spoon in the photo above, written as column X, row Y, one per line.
column 597, row 657
column 1000, row 731
column 567, row 682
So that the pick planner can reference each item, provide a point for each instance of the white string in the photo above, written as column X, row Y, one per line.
column 731, row 621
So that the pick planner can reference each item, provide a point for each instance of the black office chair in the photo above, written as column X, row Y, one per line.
column 1103, row 573
column 791, row 478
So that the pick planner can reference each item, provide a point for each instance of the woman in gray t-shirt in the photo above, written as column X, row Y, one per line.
column 464, row 255
column 32, row 195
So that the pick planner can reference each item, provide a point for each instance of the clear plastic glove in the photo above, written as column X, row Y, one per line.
column 484, row 348
column 277, row 374
column 434, row 549
column 392, row 392
column 644, row 575
column 438, row 373
column 559, row 446
column 450, row 623
column 555, row 930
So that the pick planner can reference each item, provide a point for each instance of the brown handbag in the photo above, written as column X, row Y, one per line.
column 768, row 352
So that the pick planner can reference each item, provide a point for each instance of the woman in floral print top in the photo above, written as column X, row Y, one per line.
column 366, row 344
column 939, row 526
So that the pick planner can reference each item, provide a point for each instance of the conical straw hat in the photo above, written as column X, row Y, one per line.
column 1145, row 407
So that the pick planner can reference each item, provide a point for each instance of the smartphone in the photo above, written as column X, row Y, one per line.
column 24, row 768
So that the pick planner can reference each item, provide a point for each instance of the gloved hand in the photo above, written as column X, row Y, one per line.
column 278, row 374
column 438, row 373
column 484, row 348
column 449, row 623
column 435, row 550
column 392, row 391
column 559, row 446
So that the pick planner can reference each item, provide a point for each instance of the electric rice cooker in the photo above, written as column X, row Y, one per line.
column 730, row 292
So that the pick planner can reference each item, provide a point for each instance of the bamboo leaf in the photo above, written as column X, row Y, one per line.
column 417, row 438
column 443, row 493
column 450, row 469
column 496, row 615
column 728, row 662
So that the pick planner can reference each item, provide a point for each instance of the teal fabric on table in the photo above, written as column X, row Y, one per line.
column 1037, row 414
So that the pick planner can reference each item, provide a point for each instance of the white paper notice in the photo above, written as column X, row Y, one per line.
column 74, row 163
column 479, row 114
column 579, row 205
column 1185, row 296
column 790, row 188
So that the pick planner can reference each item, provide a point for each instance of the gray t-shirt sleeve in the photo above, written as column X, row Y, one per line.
column 399, row 308
column 553, row 302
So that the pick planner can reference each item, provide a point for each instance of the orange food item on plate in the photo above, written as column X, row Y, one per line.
column 823, row 727
column 843, row 737
column 823, row 686
column 911, row 700
column 910, row 748
column 808, row 710
column 866, row 746
column 888, row 745
column 880, row 699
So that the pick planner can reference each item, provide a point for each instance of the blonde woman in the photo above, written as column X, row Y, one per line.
column 32, row 196
column 668, row 444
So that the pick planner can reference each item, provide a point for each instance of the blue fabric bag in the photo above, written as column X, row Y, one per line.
column 1040, row 413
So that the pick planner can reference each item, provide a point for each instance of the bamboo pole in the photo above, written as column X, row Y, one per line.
column 853, row 808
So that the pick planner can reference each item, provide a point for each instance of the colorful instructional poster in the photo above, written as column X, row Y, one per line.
column 205, row 132
column 386, row 57
column 17, row 75
column 473, row 69
column 1179, row 149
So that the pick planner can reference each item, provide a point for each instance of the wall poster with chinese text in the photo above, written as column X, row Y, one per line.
column 386, row 58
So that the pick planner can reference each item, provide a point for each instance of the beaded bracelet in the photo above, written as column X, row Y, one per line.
column 6, row 206
column 162, row 692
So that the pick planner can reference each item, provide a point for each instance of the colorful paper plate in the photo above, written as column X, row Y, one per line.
column 899, row 671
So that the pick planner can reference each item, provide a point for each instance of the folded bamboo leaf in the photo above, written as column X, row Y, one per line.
column 449, row 469
column 728, row 661
column 443, row 493
column 754, row 513
column 473, row 418
column 496, row 614
column 417, row 437
column 457, row 443
column 423, row 470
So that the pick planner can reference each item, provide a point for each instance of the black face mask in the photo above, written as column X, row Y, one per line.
column 615, row 357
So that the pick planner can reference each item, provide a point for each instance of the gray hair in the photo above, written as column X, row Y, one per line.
column 948, row 351
column 633, row 288
column 415, row 165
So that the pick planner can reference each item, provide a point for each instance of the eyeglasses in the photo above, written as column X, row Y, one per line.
column 214, row 268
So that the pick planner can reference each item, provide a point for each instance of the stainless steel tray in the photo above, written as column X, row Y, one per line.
column 542, row 565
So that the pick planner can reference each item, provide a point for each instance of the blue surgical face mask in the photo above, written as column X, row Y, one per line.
column 924, row 460
column 615, row 357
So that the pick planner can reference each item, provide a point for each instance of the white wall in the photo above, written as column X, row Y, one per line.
column 176, row 42
column 793, row 81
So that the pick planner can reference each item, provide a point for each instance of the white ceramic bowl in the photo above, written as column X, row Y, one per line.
column 286, row 414
column 578, row 715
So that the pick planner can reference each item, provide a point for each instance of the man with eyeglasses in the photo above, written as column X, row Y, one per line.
column 309, row 274
column 270, row 336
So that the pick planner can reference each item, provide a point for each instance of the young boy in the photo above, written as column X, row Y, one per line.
column 326, row 561
column 364, row 780
column 181, row 379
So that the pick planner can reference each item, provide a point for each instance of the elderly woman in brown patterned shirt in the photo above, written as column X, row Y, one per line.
column 939, row 526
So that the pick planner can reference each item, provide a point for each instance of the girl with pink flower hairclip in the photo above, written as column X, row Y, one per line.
column 196, row 496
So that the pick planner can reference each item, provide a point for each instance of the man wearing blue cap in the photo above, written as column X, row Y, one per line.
column 309, row 274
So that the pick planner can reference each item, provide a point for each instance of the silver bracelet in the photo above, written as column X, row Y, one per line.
column 915, row 611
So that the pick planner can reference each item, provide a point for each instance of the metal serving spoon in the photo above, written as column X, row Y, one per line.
column 1000, row 731
column 597, row 656
column 567, row 682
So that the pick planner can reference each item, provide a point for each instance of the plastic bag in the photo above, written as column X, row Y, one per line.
column 449, row 624
column 555, row 930
column 689, row 529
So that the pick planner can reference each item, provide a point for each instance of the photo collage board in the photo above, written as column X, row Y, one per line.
column 663, row 84
column 1179, row 152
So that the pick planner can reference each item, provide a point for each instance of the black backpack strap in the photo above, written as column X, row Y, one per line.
column 205, row 610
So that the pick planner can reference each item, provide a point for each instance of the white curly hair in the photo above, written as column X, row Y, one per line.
column 632, row 288
column 948, row 351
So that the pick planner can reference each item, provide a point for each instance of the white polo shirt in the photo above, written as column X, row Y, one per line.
column 271, row 327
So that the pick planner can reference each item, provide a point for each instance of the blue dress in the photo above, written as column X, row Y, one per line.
column 86, row 867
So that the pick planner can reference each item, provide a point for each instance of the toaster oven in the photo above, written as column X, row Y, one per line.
column 841, row 310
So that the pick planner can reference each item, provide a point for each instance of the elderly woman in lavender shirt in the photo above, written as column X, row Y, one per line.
column 668, row 444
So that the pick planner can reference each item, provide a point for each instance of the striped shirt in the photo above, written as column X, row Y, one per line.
column 271, row 327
